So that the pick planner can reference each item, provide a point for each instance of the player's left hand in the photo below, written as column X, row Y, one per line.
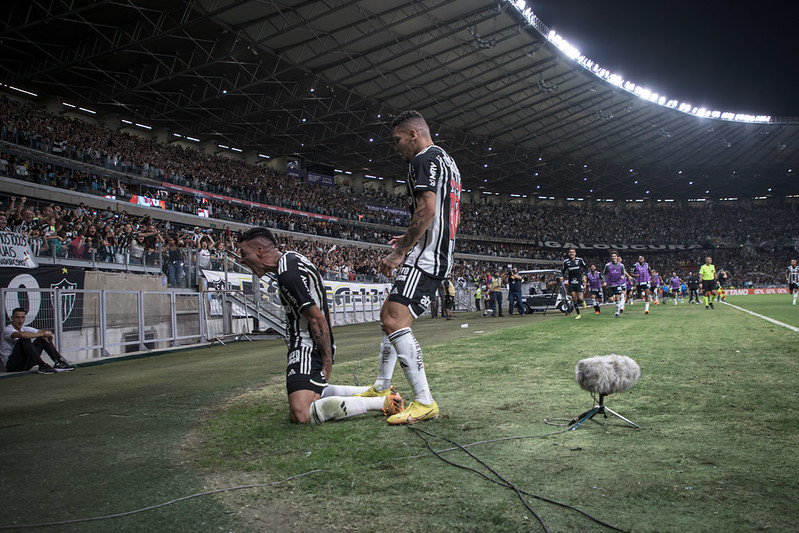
column 389, row 263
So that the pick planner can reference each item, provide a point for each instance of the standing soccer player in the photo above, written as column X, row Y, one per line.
column 423, row 257
column 792, row 277
column 707, row 273
column 643, row 277
column 594, row 279
column 614, row 274
column 675, row 286
column 309, row 338
column 574, row 271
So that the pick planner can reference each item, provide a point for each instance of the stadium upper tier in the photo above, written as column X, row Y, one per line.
column 518, row 110
column 148, row 168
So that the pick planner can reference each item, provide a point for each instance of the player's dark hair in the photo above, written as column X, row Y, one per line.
column 614, row 252
column 570, row 249
column 258, row 232
column 406, row 116
column 19, row 310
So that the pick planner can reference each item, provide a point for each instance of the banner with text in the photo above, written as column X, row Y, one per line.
column 565, row 245
column 339, row 293
column 15, row 252
column 765, row 290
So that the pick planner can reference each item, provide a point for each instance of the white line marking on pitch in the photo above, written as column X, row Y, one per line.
column 763, row 317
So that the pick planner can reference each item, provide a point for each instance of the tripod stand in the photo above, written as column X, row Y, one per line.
column 597, row 409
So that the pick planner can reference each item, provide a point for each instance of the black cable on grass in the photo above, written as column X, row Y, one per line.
column 164, row 504
column 437, row 453
column 504, row 482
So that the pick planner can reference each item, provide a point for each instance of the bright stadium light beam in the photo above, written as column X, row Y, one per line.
column 573, row 53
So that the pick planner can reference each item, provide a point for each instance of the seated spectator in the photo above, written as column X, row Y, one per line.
column 21, row 347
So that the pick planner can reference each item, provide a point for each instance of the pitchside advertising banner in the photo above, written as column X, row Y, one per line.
column 765, row 290
column 340, row 294
column 559, row 245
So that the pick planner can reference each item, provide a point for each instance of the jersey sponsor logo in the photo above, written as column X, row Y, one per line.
column 425, row 301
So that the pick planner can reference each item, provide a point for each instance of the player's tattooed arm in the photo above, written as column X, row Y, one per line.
column 317, row 325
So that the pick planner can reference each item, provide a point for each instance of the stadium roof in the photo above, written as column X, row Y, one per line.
column 321, row 79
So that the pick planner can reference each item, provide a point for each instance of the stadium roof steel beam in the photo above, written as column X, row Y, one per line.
column 241, row 72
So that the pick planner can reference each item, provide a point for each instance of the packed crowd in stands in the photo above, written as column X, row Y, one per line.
column 754, row 240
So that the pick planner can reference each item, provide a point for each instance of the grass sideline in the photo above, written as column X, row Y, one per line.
column 715, row 452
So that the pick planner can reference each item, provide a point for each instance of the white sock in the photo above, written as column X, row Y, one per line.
column 646, row 306
column 342, row 390
column 385, row 366
column 409, row 354
column 338, row 407
column 794, row 296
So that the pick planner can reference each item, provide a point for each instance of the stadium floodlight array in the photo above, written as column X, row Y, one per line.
column 574, row 54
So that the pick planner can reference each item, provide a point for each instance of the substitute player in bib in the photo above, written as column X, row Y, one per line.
column 594, row 281
column 675, row 287
column 643, row 278
column 614, row 274
column 311, row 348
column 574, row 271
column 707, row 273
column 792, row 277
column 423, row 256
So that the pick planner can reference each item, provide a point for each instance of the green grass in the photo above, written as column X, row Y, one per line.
column 716, row 450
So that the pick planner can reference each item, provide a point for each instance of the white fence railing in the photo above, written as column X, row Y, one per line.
column 91, row 324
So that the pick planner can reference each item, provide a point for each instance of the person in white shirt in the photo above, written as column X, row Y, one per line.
column 21, row 347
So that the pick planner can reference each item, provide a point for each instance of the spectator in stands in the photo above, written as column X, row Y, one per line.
column 173, row 258
column 21, row 347
column 206, row 244
column 137, row 250
column 78, row 248
column 37, row 243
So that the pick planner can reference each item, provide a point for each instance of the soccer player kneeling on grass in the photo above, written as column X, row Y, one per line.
column 311, row 348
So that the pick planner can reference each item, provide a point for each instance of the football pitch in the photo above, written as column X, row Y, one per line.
column 200, row 440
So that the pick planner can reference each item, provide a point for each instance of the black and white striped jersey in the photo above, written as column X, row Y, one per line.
column 793, row 274
column 300, row 286
column 433, row 170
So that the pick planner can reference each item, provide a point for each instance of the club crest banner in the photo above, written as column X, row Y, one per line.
column 22, row 290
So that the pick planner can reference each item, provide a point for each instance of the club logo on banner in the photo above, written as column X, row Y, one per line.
column 22, row 289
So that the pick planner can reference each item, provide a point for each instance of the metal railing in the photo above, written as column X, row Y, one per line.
column 91, row 324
